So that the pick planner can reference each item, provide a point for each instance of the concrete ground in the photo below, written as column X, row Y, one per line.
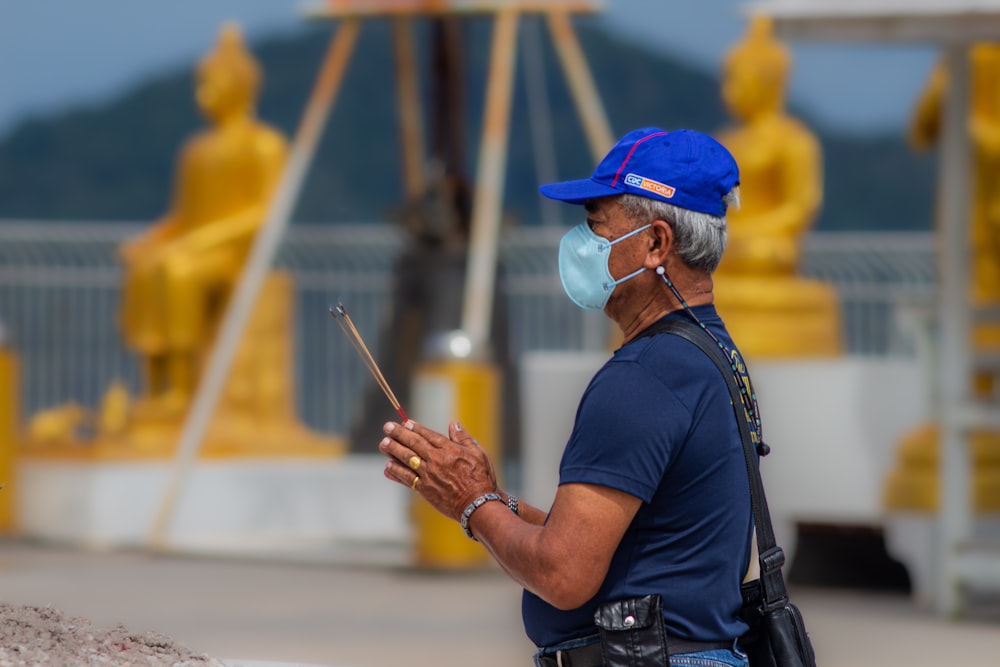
column 372, row 612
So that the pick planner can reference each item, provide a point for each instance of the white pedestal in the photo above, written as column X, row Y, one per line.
column 228, row 505
column 551, row 386
column 833, row 426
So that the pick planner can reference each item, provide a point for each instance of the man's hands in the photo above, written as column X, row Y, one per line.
column 562, row 556
column 452, row 470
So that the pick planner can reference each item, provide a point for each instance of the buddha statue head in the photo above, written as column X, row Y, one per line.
column 755, row 72
column 228, row 78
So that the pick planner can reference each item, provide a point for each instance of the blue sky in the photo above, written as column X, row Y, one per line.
column 60, row 53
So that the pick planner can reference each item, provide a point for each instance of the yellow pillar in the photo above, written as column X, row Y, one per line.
column 444, row 390
column 9, row 409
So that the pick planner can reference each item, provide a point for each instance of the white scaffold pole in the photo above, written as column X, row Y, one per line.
column 953, row 359
column 477, row 310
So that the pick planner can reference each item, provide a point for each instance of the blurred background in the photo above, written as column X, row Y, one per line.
column 108, row 83
column 98, row 101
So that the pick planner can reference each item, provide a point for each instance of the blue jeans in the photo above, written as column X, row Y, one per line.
column 715, row 658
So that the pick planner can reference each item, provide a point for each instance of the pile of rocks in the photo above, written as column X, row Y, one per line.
column 44, row 636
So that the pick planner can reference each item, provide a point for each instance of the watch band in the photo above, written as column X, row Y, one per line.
column 513, row 503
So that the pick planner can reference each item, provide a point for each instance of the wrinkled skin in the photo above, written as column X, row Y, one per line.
column 453, row 471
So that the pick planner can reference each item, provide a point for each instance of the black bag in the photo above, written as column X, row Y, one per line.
column 777, row 635
column 632, row 633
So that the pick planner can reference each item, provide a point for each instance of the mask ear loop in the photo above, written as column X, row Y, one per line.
column 607, row 247
column 613, row 284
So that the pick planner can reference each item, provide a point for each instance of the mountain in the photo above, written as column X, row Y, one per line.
column 116, row 161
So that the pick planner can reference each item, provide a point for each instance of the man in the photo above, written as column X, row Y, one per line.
column 653, row 495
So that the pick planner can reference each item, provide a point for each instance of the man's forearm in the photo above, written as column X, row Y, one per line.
column 562, row 558
column 528, row 513
column 515, row 544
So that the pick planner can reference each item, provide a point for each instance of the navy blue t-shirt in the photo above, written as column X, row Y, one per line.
column 657, row 422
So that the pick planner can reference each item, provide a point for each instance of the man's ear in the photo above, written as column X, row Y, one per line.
column 662, row 246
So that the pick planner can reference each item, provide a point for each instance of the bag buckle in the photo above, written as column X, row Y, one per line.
column 772, row 560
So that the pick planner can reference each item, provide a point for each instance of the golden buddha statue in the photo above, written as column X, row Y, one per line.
column 984, row 129
column 178, row 277
column 770, row 309
column 913, row 483
column 179, row 273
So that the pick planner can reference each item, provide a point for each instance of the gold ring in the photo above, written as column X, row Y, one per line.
column 414, row 463
column 414, row 485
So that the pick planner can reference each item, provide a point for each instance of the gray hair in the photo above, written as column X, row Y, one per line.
column 700, row 237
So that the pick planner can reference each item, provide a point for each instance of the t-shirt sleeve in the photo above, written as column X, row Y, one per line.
column 628, row 427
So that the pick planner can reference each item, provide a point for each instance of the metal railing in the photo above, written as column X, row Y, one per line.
column 60, row 290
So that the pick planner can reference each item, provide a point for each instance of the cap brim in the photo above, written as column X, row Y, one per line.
column 577, row 192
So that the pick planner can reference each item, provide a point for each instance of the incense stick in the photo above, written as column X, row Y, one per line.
column 343, row 320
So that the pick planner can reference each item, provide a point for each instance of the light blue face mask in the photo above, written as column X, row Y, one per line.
column 583, row 266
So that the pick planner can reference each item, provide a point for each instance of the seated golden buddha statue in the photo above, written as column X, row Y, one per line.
column 178, row 277
column 179, row 273
column 768, row 306
column 913, row 483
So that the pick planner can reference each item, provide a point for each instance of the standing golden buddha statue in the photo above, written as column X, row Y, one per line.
column 984, row 227
column 773, row 311
column 913, row 483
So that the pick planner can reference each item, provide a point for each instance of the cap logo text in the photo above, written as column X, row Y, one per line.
column 644, row 183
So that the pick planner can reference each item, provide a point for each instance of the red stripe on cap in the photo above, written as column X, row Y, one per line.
column 629, row 156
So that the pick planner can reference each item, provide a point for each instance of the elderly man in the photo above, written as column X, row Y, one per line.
column 653, row 496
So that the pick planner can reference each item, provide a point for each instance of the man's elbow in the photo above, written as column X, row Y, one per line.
column 567, row 593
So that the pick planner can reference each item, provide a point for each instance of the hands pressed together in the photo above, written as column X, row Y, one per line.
column 587, row 521
column 448, row 471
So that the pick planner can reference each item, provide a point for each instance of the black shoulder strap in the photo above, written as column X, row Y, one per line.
column 771, row 556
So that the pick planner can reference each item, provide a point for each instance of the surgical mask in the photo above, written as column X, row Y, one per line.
column 583, row 266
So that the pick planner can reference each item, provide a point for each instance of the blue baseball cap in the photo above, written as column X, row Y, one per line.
column 685, row 168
